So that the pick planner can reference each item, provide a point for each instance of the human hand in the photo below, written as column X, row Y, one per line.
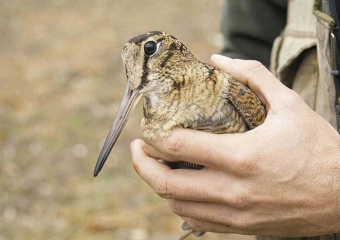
column 281, row 178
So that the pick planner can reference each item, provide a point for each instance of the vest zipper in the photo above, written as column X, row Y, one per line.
column 335, row 61
column 335, row 73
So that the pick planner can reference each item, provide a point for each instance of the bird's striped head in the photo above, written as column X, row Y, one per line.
column 149, row 57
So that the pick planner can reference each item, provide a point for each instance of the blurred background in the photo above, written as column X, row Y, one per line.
column 61, row 82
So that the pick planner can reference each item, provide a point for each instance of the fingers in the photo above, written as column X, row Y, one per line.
column 253, row 74
column 161, row 178
column 204, row 211
column 222, row 152
column 212, row 217
column 187, row 184
column 148, row 168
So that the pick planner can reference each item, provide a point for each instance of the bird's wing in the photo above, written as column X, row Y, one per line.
column 246, row 103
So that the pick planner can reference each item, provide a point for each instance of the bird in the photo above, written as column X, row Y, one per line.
column 179, row 91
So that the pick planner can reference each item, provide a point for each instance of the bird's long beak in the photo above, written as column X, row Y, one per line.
column 130, row 100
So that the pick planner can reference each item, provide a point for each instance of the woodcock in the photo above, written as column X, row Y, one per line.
column 179, row 91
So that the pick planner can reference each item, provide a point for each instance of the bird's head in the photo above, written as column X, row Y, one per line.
column 151, row 58
column 152, row 61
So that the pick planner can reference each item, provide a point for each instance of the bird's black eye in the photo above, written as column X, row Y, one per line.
column 150, row 48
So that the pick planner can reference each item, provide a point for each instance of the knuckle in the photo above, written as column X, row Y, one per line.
column 244, row 162
column 162, row 186
column 174, row 146
column 241, row 200
column 295, row 100
column 292, row 98
column 247, row 167
column 255, row 65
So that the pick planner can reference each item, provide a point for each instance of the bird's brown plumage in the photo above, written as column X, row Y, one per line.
column 180, row 91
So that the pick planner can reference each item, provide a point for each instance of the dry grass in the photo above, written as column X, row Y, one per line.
column 61, row 81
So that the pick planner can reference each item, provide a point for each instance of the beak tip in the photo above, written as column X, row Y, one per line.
column 96, row 171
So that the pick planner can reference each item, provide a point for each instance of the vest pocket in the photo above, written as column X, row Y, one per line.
column 294, row 63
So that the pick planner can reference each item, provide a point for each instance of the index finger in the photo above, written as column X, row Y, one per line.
column 216, row 151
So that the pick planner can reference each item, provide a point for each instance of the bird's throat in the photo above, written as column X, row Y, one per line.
column 153, row 107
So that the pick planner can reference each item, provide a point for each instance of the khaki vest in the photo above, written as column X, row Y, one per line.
column 301, row 60
column 301, row 56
